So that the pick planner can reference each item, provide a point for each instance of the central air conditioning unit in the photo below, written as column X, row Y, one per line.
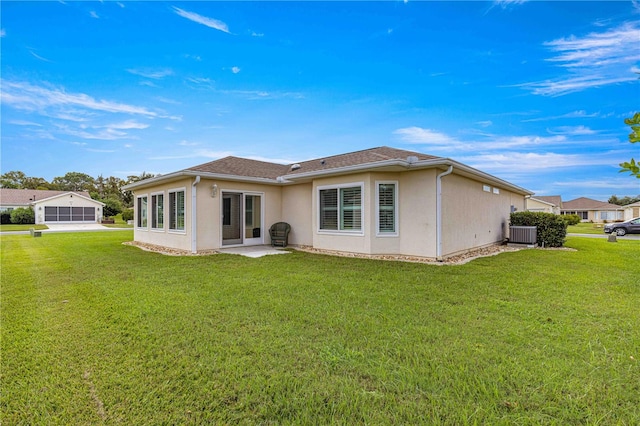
column 523, row 235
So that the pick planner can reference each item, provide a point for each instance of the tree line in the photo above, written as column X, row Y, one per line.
column 107, row 190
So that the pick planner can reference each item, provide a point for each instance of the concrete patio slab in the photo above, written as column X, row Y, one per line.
column 253, row 251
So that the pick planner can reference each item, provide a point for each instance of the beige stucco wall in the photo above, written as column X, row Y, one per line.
column 210, row 209
column 174, row 239
column 209, row 213
column 347, row 242
column 473, row 217
column 68, row 200
column 416, row 211
column 536, row 206
column 297, row 211
column 631, row 212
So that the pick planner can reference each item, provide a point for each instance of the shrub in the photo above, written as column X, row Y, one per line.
column 572, row 219
column 23, row 216
column 127, row 214
column 551, row 228
column 111, row 207
column 5, row 217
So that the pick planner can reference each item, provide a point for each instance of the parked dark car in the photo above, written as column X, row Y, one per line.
column 631, row 226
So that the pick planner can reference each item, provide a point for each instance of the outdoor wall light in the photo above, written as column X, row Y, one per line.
column 214, row 191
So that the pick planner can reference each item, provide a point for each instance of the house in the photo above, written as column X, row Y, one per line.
column 593, row 210
column 376, row 201
column 53, row 206
column 545, row 204
column 631, row 211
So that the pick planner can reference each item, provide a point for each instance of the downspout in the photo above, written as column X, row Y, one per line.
column 439, row 213
column 194, row 216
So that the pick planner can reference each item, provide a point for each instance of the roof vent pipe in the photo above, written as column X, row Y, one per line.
column 295, row 167
column 412, row 159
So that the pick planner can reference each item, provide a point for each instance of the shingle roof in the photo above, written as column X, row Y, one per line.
column 556, row 200
column 24, row 197
column 237, row 166
column 584, row 203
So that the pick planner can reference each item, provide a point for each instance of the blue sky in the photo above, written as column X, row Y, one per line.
column 532, row 92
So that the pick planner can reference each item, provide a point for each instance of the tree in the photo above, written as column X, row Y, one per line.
column 631, row 166
column 624, row 201
column 14, row 179
column 74, row 181
column 111, row 207
column 127, row 196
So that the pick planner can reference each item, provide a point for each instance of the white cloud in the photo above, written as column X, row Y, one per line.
column 506, row 3
column 93, row 14
column 418, row 135
column 209, row 22
column 3, row 33
column 235, row 70
column 126, row 125
column 442, row 142
column 610, row 183
column 486, row 123
column 572, row 114
column 594, row 60
column 571, row 131
column 28, row 97
column 151, row 73
column 35, row 55
column 523, row 162
column 24, row 123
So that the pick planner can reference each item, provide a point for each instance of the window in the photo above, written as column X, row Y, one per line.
column 176, row 210
column 157, row 211
column 386, row 208
column 142, row 212
column 496, row 190
column 340, row 208
column 486, row 188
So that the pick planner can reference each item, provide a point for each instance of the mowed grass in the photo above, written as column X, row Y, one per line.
column 96, row 332
column 586, row 228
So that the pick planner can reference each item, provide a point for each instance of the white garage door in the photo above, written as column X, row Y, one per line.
column 69, row 214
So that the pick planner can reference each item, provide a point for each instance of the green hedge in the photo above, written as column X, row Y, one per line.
column 572, row 219
column 551, row 228
column 127, row 214
column 23, row 216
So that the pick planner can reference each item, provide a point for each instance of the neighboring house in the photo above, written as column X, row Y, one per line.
column 631, row 211
column 545, row 204
column 53, row 206
column 593, row 210
column 377, row 201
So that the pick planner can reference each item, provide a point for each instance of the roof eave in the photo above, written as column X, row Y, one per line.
column 192, row 173
column 409, row 165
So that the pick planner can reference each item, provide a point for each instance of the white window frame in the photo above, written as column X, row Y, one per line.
column 153, row 211
column 169, row 213
column 396, row 214
column 138, row 217
column 340, row 209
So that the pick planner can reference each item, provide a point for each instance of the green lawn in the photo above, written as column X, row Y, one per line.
column 586, row 228
column 96, row 332
column 11, row 227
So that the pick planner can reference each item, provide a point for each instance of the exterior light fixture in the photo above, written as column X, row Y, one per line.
column 214, row 191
